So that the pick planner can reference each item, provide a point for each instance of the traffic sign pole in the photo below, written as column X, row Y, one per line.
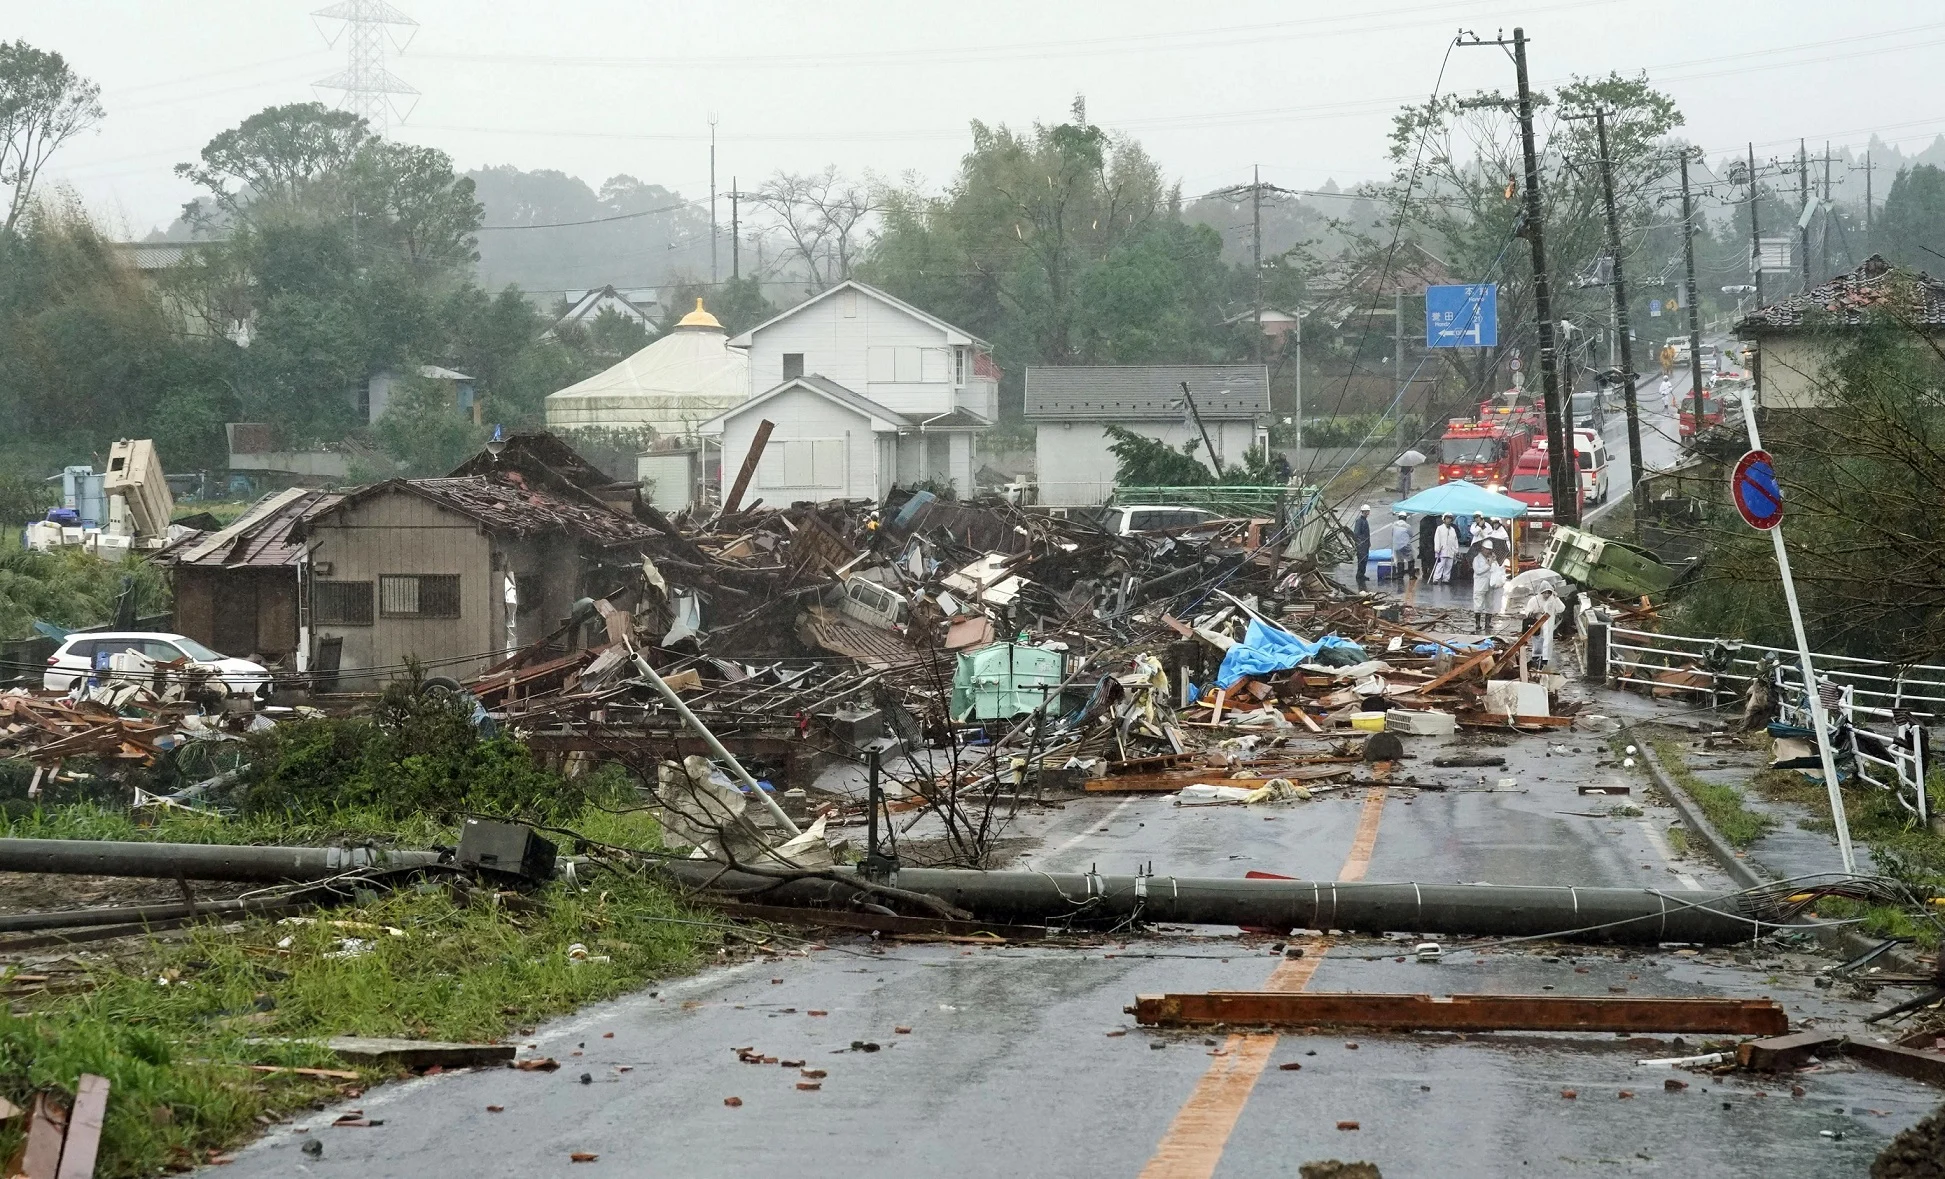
column 1818, row 720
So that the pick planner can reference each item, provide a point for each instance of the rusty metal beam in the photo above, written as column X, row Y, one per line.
column 1917, row 1063
column 1463, row 1013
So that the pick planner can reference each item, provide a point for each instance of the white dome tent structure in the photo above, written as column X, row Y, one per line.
column 685, row 378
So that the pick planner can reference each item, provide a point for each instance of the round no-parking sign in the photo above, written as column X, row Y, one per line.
column 1755, row 490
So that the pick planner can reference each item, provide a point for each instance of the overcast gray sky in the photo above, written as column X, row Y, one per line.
column 1305, row 89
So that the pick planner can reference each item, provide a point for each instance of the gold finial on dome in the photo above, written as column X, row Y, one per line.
column 699, row 318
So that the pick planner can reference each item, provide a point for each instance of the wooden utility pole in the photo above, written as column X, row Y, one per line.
column 1688, row 285
column 1620, row 308
column 1215, row 460
column 735, row 233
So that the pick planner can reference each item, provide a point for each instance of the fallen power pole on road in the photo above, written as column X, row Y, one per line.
column 1636, row 916
column 1614, row 915
column 201, row 861
column 1463, row 1013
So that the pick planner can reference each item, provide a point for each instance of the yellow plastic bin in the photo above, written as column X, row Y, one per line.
column 1369, row 722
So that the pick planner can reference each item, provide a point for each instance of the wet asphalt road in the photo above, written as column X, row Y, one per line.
column 1020, row 1061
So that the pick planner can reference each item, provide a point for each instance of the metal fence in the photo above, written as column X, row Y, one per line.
column 1879, row 711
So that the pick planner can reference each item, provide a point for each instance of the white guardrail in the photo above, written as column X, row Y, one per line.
column 1878, row 710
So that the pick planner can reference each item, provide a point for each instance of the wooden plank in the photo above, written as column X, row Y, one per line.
column 1493, row 720
column 1473, row 664
column 84, row 1128
column 46, row 1126
column 1777, row 1054
column 1303, row 718
column 1463, row 1013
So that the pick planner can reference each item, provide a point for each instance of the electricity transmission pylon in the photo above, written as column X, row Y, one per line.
column 367, row 85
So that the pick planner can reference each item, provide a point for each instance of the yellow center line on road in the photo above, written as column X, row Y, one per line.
column 1196, row 1138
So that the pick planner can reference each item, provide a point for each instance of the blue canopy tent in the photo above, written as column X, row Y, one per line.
column 1461, row 499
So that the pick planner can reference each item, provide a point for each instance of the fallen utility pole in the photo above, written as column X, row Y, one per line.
column 145, row 914
column 202, row 861
column 1463, row 1013
column 1215, row 459
column 1612, row 915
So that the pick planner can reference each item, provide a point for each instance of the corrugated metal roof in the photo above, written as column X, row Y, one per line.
column 1912, row 295
column 502, row 506
column 262, row 537
column 1111, row 392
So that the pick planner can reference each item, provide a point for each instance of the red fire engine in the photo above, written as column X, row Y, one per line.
column 1483, row 452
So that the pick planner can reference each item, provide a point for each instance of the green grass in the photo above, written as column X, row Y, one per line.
column 174, row 1054
column 1720, row 803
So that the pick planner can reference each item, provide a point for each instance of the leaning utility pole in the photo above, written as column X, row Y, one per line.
column 1562, row 476
column 1620, row 308
column 735, row 234
column 1694, row 314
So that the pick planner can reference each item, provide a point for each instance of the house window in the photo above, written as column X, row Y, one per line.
column 850, row 304
column 793, row 365
column 341, row 603
column 419, row 595
column 959, row 365
column 802, row 463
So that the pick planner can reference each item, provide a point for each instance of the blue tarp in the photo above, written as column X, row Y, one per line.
column 1265, row 649
column 1461, row 499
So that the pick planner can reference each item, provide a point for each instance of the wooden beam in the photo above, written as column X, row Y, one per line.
column 1463, row 1013
column 1776, row 1054
column 46, row 1126
column 735, row 497
column 1475, row 662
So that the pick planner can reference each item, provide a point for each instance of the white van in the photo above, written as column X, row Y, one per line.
column 1590, row 449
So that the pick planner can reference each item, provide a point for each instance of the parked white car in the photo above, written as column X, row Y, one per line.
column 1125, row 519
column 79, row 657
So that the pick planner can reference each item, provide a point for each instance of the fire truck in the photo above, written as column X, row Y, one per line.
column 1483, row 451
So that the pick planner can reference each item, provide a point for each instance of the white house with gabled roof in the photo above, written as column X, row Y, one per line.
column 864, row 391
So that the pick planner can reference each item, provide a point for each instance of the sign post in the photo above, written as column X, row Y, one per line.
column 1760, row 501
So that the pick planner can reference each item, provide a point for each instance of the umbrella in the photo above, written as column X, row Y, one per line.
column 1462, row 499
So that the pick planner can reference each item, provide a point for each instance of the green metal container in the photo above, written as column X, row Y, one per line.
column 1004, row 680
column 1606, row 566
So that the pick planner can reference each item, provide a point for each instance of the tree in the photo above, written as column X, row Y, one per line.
column 276, row 156
column 409, row 198
column 1911, row 229
column 1061, row 245
column 630, row 234
column 737, row 303
column 43, row 104
column 822, row 214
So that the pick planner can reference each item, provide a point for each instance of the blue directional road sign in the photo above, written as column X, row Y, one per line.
column 1462, row 316
column 1757, row 495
